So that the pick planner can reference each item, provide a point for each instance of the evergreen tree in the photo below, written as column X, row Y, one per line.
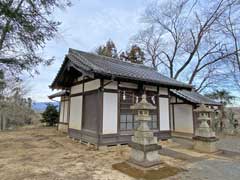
column 50, row 115
column 222, row 96
column 25, row 26
column 109, row 49
column 135, row 55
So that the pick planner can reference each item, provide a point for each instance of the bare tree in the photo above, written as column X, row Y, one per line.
column 189, row 39
column 15, row 108
column 230, row 27
column 151, row 43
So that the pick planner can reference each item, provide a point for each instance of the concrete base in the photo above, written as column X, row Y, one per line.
column 205, row 146
column 63, row 128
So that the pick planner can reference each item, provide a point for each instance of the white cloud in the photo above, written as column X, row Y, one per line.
column 87, row 24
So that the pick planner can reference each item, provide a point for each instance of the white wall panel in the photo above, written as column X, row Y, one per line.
column 164, row 113
column 150, row 88
column 183, row 118
column 76, row 89
column 66, row 111
column 61, row 112
column 80, row 78
column 92, row 85
column 179, row 100
column 171, row 116
column 128, row 85
column 173, row 99
column 163, row 91
column 111, row 85
column 75, row 120
column 110, row 113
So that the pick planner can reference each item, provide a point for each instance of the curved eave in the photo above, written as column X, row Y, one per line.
column 191, row 100
column 53, row 85
column 67, row 64
column 147, row 81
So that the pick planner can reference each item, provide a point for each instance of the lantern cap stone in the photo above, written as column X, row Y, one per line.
column 143, row 104
column 203, row 108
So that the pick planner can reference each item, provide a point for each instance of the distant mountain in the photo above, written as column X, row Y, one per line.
column 41, row 106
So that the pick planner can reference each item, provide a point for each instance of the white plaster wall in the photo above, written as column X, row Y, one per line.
column 76, row 89
column 164, row 113
column 75, row 120
column 173, row 99
column 92, row 85
column 128, row 85
column 80, row 78
column 150, row 88
column 163, row 91
column 61, row 112
column 110, row 113
column 179, row 100
column 112, row 85
column 66, row 111
column 171, row 116
column 183, row 118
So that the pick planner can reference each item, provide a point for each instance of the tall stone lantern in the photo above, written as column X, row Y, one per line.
column 144, row 146
column 204, row 138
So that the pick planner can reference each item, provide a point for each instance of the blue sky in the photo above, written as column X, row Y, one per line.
column 86, row 25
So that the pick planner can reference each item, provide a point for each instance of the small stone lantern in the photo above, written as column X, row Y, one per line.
column 144, row 146
column 204, row 138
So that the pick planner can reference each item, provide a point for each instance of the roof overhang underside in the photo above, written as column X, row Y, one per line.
column 67, row 74
column 58, row 94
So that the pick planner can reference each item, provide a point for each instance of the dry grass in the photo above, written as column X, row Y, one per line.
column 46, row 154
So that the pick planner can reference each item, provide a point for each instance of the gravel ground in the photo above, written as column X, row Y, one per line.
column 44, row 154
column 220, row 166
column 214, row 169
column 231, row 143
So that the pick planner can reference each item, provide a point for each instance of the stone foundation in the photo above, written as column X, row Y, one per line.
column 63, row 127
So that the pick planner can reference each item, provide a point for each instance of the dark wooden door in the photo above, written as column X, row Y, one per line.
column 90, row 110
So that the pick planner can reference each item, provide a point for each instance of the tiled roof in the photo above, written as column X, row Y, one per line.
column 106, row 66
column 194, row 97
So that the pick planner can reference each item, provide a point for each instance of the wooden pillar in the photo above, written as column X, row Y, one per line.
column 1, row 122
column 100, row 112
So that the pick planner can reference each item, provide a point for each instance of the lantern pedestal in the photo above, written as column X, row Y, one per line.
column 207, row 145
column 144, row 146
column 144, row 155
column 205, row 138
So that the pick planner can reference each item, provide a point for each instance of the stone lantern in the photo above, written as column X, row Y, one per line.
column 144, row 146
column 204, row 138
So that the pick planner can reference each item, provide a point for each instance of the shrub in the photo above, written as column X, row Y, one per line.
column 50, row 115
